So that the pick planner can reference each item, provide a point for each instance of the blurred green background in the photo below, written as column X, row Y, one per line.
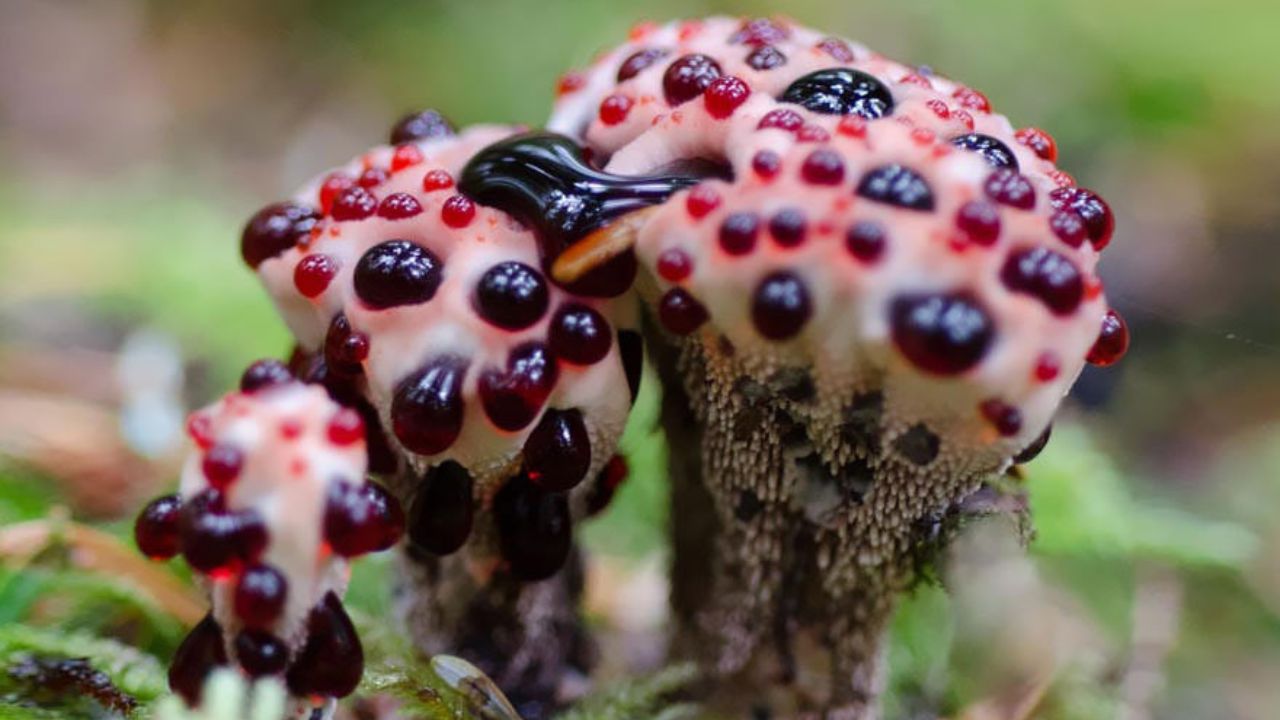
column 137, row 135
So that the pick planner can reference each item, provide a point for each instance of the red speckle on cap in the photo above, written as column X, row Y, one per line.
column 689, row 29
column 788, row 120
column 923, row 136
column 405, row 156
column 852, row 126
column 701, row 201
column 313, row 273
column 674, row 265
column 1040, row 142
column 964, row 117
column 436, row 180
column 291, row 429
column 199, row 427
column 614, row 109
column 1006, row 418
column 838, row 49
column 724, row 95
column 640, row 30
column 917, row 79
column 458, row 211
column 570, row 82
column 372, row 177
column 939, row 108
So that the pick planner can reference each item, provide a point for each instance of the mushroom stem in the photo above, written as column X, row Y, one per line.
column 599, row 246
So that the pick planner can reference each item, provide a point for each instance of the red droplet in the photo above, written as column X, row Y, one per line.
column 852, row 126
column 681, row 313
column 1040, row 142
column 838, row 49
column 346, row 427
column 823, row 167
column 979, row 221
column 436, row 180
column 354, row 203
column 570, row 82
column 1047, row 366
column 398, row 206
column 766, row 164
column 313, row 273
column 917, row 79
column 200, row 428
column 701, row 200
column 221, row 465
column 674, row 265
column 964, row 117
column 405, row 156
column 614, row 109
column 458, row 211
column 1006, row 418
column 788, row 120
column 972, row 99
column 724, row 95
column 939, row 108
column 372, row 177
column 812, row 133
column 1112, row 342
column 291, row 429
column 333, row 185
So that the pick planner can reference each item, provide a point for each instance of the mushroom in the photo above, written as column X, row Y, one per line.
column 272, row 504
column 882, row 306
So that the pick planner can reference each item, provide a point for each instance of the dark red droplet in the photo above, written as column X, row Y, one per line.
column 812, row 134
column 557, row 454
column 313, row 273
column 1005, row 418
column 759, row 31
column 274, row 229
column 264, row 373
column 397, row 272
column 157, row 529
column 979, row 221
column 738, row 233
column 788, row 120
column 511, row 295
column 1009, row 187
column 398, row 206
column 941, row 333
column 1044, row 274
column 631, row 348
column 724, row 95
column 1089, row 206
column 788, row 227
column 373, row 177
column 615, row 108
column 838, row 49
column 766, row 164
column 512, row 397
column 221, row 465
column 766, row 57
column 687, row 77
column 260, row 653
column 866, row 240
column 897, row 185
column 534, row 529
column 346, row 427
column 674, row 265
column 426, row 410
column 405, row 156
column 606, row 484
column 200, row 652
column 354, row 203
column 1112, row 342
column 638, row 62
column 680, row 312
column 259, row 595
column 331, row 661
column 1069, row 227
column 360, row 519
column 579, row 335
column 823, row 167
column 442, row 509
column 422, row 125
column 702, row 199
column 333, row 186
column 780, row 306
column 345, row 349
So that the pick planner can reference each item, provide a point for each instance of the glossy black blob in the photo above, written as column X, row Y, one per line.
column 397, row 272
column 781, row 306
column 332, row 660
column 274, row 229
column 426, row 410
column 943, row 334
column 579, row 334
column 996, row 153
column 214, row 538
column 534, row 530
column 544, row 180
column 360, row 519
column 260, row 653
column 631, row 348
column 422, row 125
column 918, row 444
column 557, row 454
column 1029, row 453
column 841, row 91
column 442, row 510
column 512, row 397
column 200, row 652
column 268, row 372
column 511, row 295
column 897, row 185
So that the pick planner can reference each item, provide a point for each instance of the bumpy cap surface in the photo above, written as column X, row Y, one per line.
column 882, row 228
